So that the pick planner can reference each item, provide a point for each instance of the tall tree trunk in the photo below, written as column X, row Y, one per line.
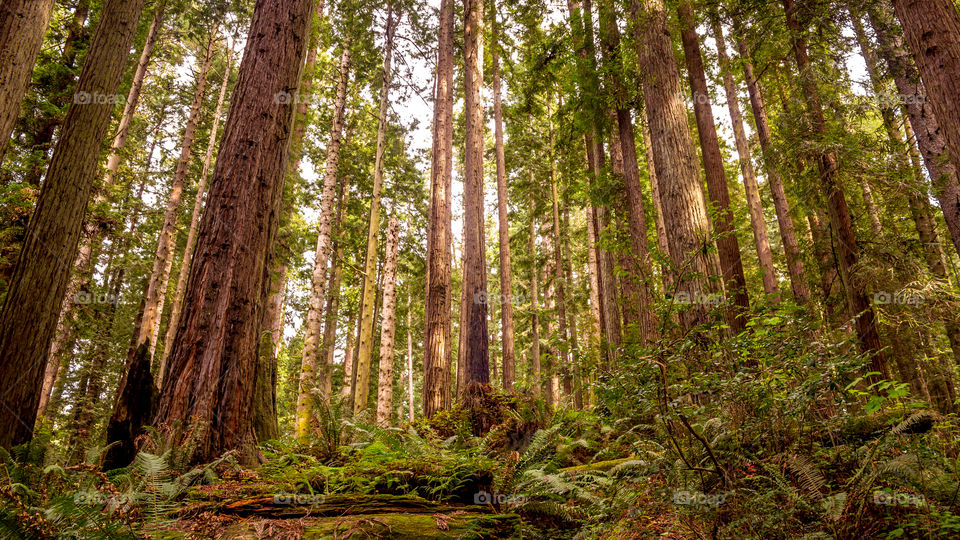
column 638, row 313
column 436, row 353
column 562, row 356
column 608, row 290
column 39, row 283
column 923, row 117
column 661, row 228
column 574, row 384
column 593, row 269
column 365, row 352
column 750, row 186
column 311, row 338
column 265, row 422
column 410, row 354
column 533, row 367
column 552, row 324
column 167, row 241
column 731, row 265
column 333, row 300
column 388, row 324
column 177, row 305
column 638, row 305
column 791, row 248
column 348, row 355
column 475, row 331
column 60, row 91
column 65, row 332
column 506, row 280
column 684, row 210
column 133, row 96
column 22, row 25
column 847, row 251
column 932, row 30
column 213, row 363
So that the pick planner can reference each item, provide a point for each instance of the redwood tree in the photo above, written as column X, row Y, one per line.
column 22, row 24
column 474, row 261
column 211, row 370
column 436, row 358
column 39, row 282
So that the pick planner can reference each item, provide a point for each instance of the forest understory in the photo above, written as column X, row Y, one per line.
column 592, row 269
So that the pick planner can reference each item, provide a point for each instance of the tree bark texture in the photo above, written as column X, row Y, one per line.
column 22, row 25
column 37, row 289
column 475, row 331
column 212, row 367
column 436, row 359
column 388, row 324
column 681, row 196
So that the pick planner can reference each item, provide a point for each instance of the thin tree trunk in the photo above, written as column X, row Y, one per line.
column 22, row 25
column 177, row 305
column 410, row 354
column 37, row 289
column 534, row 364
column 213, row 363
column 436, row 355
column 133, row 96
column 608, row 290
column 265, row 422
column 311, row 338
column 552, row 324
column 475, row 331
column 65, row 332
column 575, row 383
column 791, row 248
column 348, row 354
column 731, row 265
column 757, row 222
column 365, row 353
column 596, row 311
column 388, row 325
column 506, row 280
column 166, row 243
column 681, row 196
column 333, row 300
column 562, row 356
column 847, row 251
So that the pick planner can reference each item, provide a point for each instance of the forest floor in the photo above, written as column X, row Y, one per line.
column 795, row 445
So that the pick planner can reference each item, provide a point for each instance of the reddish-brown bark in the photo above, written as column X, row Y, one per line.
column 212, row 367
column 39, row 283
